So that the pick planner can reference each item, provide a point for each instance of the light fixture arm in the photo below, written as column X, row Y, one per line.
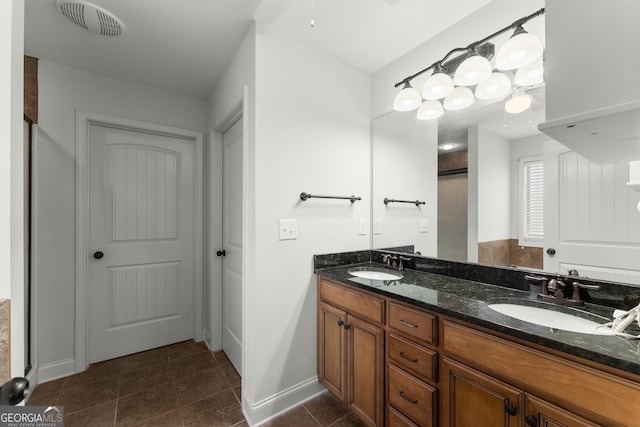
column 473, row 46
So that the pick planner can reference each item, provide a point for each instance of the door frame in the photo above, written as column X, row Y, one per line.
column 215, row 221
column 84, row 119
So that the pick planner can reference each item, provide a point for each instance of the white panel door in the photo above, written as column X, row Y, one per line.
column 590, row 215
column 142, row 220
column 232, row 244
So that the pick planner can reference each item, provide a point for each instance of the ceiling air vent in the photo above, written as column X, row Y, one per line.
column 91, row 17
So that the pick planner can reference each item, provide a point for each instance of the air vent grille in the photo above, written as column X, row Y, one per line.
column 91, row 17
column 73, row 12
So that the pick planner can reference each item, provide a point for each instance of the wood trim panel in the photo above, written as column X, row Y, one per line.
column 550, row 377
column 31, row 88
column 396, row 419
column 355, row 302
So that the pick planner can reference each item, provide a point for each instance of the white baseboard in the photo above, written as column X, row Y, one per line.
column 269, row 408
column 55, row 370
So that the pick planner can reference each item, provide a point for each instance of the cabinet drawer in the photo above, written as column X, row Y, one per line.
column 414, row 358
column 355, row 302
column 413, row 398
column 412, row 323
column 396, row 419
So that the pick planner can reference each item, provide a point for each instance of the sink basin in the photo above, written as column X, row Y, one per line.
column 372, row 273
column 581, row 322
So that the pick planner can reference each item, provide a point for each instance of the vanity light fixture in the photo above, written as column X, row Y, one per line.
column 529, row 75
column 473, row 70
column 430, row 110
column 470, row 66
column 408, row 99
column 496, row 87
column 460, row 98
column 438, row 85
column 521, row 49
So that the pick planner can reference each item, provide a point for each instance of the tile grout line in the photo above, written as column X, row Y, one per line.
column 314, row 418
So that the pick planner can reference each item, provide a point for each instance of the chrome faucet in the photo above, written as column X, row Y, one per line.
column 400, row 259
column 390, row 260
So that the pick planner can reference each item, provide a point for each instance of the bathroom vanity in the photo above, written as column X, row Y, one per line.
column 427, row 350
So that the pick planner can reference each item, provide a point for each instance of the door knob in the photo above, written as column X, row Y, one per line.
column 98, row 255
column 221, row 253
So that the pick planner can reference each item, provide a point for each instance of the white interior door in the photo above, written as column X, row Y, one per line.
column 590, row 217
column 232, row 244
column 141, row 219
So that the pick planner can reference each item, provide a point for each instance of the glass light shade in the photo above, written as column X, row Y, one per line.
column 460, row 98
column 437, row 86
column 407, row 99
column 531, row 74
column 517, row 104
column 430, row 110
column 520, row 50
column 472, row 71
column 496, row 87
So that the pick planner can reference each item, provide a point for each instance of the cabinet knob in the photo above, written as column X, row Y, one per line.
column 511, row 410
column 347, row 326
column 340, row 323
column 551, row 252
column 98, row 255
column 530, row 420
column 221, row 253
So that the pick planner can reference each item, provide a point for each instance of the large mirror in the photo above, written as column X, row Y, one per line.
column 470, row 168
column 466, row 170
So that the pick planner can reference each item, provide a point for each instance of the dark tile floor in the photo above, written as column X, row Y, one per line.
column 180, row 385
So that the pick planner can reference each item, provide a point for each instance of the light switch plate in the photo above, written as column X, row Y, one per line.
column 377, row 226
column 424, row 225
column 288, row 229
column 363, row 225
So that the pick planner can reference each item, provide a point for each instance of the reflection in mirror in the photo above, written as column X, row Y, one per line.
column 404, row 168
column 590, row 225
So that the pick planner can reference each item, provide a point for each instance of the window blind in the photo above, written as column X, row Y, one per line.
column 533, row 201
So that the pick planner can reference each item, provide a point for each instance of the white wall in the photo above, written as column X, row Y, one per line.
column 486, row 20
column 306, row 129
column 494, row 186
column 62, row 91
column 311, row 134
column 11, row 173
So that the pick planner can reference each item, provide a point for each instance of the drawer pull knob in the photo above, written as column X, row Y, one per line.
column 404, row 356
column 408, row 399
column 402, row 322
column 511, row 410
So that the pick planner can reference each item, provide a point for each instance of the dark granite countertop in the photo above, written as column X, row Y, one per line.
column 469, row 301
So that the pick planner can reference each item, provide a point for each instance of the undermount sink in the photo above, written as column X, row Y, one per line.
column 581, row 322
column 373, row 273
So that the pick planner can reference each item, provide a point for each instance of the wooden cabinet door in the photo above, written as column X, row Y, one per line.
column 473, row 399
column 332, row 349
column 365, row 370
column 539, row 413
